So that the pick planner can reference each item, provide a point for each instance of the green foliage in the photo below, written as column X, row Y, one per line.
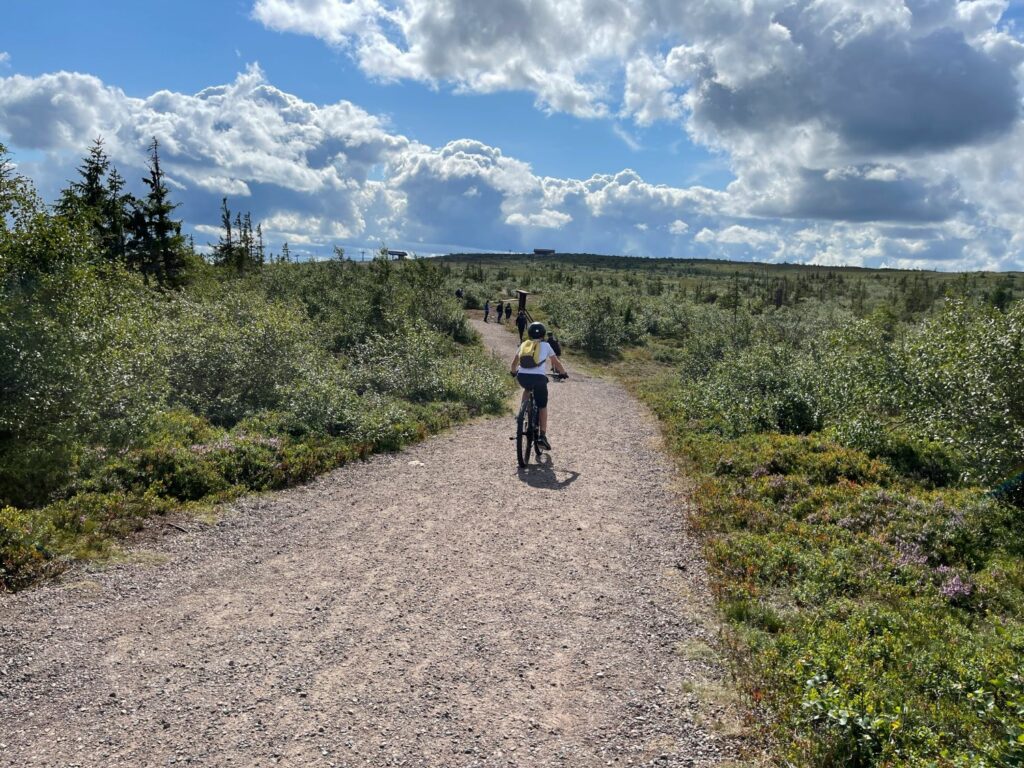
column 879, row 622
column 761, row 388
column 25, row 554
column 157, row 248
column 239, row 249
column 856, row 438
column 941, row 399
column 229, row 357
column 965, row 385
column 121, row 400
column 81, row 364
column 599, row 323
column 18, row 203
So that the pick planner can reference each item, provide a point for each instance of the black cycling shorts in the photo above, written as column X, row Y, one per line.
column 538, row 382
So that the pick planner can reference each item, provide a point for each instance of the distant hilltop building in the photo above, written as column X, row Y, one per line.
column 543, row 251
column 399, row 254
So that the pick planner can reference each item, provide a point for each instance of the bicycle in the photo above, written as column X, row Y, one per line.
column 527, row 427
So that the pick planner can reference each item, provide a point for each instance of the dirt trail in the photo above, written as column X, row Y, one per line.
column 431, row 608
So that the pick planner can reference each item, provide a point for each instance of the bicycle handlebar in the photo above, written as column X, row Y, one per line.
column 554, row 376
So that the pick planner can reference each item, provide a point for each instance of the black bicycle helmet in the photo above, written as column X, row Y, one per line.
column 536, row 331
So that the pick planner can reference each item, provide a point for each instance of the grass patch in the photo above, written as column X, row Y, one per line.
column 874, row 617
column 185, row 463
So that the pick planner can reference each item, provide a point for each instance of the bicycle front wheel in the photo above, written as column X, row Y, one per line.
column 524, row 435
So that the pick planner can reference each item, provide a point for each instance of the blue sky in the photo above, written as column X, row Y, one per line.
column 168, row 49
column 474, row 123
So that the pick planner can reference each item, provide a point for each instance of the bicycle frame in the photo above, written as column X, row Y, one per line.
column 527, row 426
column 526, row 429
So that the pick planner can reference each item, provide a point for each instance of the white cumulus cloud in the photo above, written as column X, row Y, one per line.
column 545, row 219
column 319, row 174
column 866, row 111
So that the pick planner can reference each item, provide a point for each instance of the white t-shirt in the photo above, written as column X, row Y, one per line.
column 545, row 352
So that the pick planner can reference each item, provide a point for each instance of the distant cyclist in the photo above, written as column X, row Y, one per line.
column 529, row 368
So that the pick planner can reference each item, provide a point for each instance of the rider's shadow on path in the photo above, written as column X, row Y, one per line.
column 544, row 475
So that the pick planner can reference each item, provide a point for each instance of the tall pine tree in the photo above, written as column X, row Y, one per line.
column 116, row 217
column 238, row 249
column 158, row 247
column 224, row 250
column 88, row 196
column 98, row 200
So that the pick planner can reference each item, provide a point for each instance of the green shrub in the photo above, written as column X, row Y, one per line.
column 231, row 358
column 26, row 548
column 420, row 365
column 924, row 461
column 599, row 323
column 321, row 400
column 39, row 543
column 179, row 427
column 966, row 385
column 760, row 389
column 181, row 472
column 405, row 365
column 80, row 364
column 86, row 522
column 880, row 619
column 474, row 380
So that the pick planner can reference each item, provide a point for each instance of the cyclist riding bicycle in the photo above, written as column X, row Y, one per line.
column 534, row 377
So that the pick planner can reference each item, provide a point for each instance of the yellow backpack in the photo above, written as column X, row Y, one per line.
column 529, row 353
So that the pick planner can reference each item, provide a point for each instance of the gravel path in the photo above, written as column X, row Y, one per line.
column 431, row 608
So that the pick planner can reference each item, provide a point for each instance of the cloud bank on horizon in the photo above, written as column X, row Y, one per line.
column 866, row 132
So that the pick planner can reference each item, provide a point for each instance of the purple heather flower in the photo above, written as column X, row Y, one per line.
column 910, row 554
column 955, row 588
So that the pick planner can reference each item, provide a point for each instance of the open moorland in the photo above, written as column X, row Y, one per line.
column 819, row 556
column 855, row 440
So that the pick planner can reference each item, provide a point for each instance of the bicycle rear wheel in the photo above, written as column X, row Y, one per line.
column 535, row 430
column 524, row 433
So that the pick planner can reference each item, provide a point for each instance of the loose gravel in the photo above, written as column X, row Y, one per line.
column 437, row 607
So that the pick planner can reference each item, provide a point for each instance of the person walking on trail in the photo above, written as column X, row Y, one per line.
column 529, row 367
column 521, row 324
column 487, row 309
column 501, row 309
column 508, row 311
column 555, row 345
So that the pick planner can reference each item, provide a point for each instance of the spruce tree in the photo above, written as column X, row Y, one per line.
column 98, row 200
column 224, row 250
column 116, row 217
column 157, row 241
column 248, row 242
column 239, row 248
column 88, row 197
